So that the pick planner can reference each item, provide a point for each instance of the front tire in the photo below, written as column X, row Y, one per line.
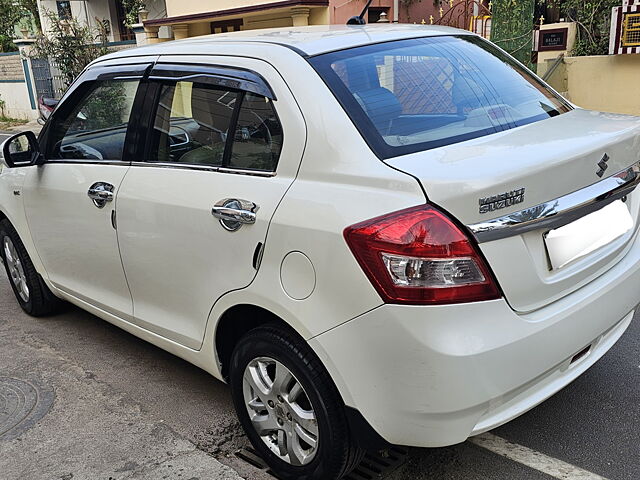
column 32, row 293
column 290, row 408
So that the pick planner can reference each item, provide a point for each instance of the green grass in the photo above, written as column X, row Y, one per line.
column 6, row 122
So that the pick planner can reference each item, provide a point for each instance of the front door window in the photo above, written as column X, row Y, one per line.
column 94, row 128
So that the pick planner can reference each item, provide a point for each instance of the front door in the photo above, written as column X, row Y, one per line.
column 193, row 215
column 70, row 200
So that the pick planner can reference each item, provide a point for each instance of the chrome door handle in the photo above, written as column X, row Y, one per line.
column 233, row 213
column 101, row 193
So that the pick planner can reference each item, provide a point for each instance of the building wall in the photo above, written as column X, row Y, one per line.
column 13, row 88
column 339, row 11
column 416, row 12
column 571, row 41
column 605, row 82
column 16, row 98
column 11, row 67
column 187, row 7
column 456, row 13
column 342, row 10
column 85, row 11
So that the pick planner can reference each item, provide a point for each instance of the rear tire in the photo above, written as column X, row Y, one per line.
column 32, row 293
column 277, row 382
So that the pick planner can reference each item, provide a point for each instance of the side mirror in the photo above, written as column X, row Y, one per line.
column 21, row 150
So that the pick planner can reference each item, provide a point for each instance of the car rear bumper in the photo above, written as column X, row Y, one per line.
column 433, row 376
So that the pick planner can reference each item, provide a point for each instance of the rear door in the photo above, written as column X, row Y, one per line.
column 225, row 139
column 70, row 199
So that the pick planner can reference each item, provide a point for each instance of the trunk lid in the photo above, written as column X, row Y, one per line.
column 532, row 165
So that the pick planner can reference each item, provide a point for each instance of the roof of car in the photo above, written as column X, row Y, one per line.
column 309, row 41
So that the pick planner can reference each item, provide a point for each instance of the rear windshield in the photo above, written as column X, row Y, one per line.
column 411, row 95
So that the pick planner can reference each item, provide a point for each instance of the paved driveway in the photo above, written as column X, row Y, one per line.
column 114, row 406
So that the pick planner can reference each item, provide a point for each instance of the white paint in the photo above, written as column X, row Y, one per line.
column 533, row 459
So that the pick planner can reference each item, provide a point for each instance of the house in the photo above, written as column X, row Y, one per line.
column 108, row 15
column 190, row 18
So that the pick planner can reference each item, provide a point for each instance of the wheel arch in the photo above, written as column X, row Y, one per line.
column 237, row 321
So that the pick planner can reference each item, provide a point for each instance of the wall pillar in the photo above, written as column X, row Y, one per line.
column 24, row 47
column 300, row 16
column 151, row 33
column 180, row 31
column 197, row 29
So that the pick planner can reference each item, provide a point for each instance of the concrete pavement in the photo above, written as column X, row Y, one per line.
column 85, row 427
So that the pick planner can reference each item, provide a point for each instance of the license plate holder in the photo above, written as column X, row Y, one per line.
column 587, row 234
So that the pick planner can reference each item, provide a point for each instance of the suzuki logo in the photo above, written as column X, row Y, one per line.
column 603, row 165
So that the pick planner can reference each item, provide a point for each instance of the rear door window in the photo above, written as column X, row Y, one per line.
column 203, row 124
column 258, row 137
column 192, row 123
column 412, row 95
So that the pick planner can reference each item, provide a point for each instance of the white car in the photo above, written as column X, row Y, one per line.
column 375, row 234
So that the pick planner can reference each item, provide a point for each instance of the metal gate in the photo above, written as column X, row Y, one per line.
column 42, row 77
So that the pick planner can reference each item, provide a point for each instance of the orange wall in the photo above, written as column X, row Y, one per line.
column 422, row 9
column 341, row 10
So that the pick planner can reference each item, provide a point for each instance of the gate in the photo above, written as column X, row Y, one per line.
column 42, row 77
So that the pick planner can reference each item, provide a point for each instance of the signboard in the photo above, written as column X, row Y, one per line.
column 553, row 39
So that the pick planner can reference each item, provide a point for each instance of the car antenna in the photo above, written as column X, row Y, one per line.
column 359, row 20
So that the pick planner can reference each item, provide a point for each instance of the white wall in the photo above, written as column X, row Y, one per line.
column 85, row 11
column 158, row 9
column 16, row 99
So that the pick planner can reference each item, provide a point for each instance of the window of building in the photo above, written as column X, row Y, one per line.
column 64, row 10
column 228, row 26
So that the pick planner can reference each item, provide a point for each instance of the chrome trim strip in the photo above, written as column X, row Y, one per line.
column 70, row 161
column 560, row 211
column 255, row 173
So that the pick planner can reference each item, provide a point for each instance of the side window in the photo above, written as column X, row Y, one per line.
column 202, row 124
column 95, row 126
column 191, row 123
column 258, row 139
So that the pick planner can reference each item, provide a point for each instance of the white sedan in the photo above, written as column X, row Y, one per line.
column 375, row 234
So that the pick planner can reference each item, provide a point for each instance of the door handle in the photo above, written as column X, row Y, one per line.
column 233, row 213
column 101, row 193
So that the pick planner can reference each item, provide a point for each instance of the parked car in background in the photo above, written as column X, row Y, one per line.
column 45, row 108
column 376, row 234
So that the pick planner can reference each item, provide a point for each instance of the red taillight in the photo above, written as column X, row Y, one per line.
column 418, row 256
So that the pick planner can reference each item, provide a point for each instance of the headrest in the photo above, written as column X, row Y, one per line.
column 380, row 104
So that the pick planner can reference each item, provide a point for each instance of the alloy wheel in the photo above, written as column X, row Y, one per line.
column 16, row 270
column 280, row 411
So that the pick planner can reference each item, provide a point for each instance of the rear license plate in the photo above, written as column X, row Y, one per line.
column 587, row 234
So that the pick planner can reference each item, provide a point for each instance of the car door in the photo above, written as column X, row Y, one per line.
column 70, row 199
column 224, row 143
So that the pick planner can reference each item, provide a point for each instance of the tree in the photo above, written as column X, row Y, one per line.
column 16, row 13
column 594, row 23
column 70, row 45
column 131, row 9
column 10, row 16
column 31, row 7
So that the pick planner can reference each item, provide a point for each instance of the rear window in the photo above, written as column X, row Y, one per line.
column 412, row 95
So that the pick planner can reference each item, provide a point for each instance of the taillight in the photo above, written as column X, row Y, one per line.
column 419, row 256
